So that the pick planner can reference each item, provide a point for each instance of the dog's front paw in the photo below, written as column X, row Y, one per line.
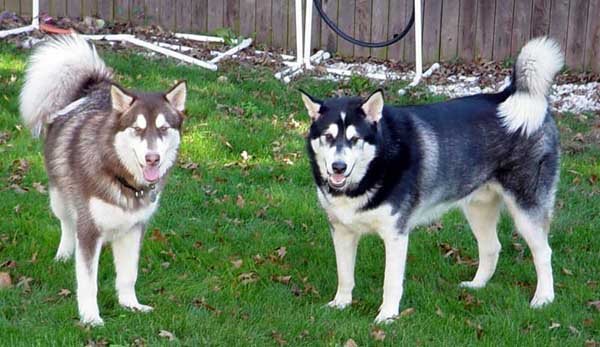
column 63, row 256
column 136, row 306
column 386, row 317
column 340, row 302
column 541, row 299
column 92, row 320
column 471, row 284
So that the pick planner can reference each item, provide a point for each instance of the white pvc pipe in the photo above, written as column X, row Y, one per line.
column 299, row 50
column 418, row 43
column 243, row 45
column 5, row 33
column 202, row 38
column 35, row 14
column 308, row 33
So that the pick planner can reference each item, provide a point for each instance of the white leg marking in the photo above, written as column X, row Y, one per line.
column 483, row 218
column 396, row 248
column 535, row 235
column 345, row 243
column 67, row 226
column 86, row 269
column 126, row 252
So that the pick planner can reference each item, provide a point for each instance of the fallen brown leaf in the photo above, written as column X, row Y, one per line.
column 277, row 337
column 248, row 277
column 377, row 334
column 240, row 202
column 167, row 335
column 350, row 343
column 595, row 304
column 567, row 272
column 282, row 279
column 407, row 312
column 64, row 292
column 553, row 326
column 5, row 280
column 201, row 303
column 237, row 263
column 39, row 187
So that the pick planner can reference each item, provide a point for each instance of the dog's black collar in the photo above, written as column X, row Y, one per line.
column 141, row 192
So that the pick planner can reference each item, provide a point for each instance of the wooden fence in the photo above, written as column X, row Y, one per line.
column 465, row 29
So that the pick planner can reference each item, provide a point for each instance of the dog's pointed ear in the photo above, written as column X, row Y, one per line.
column 120, row 99
column 313, row 106
column 373, row 106
column 177, row 95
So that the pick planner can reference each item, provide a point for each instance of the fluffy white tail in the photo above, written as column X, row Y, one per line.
column 58, row 72
column 537, row 64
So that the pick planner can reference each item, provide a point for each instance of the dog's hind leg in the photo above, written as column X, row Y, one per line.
column 533, row 225
column 482, row 214
column 126, row 253
column 68, row 227
column 345, row 243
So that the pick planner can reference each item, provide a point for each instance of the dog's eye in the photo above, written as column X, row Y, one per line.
column 329, row 137
column 163, row 129
column 354, row 139
column 138, row 130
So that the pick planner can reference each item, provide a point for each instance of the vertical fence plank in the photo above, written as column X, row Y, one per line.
column 137, row 12
column 248, row 19
column 200, row 16
column 409, row 40
column 105, row 9
column 152, row 12
column 44, row 6
column 467, row 29
column 232, row 15
column 13, row 6
column 89, row 8
column 184, row 15
column 576, row 34
column 449, row 33
column 167, row 14
column 540, row 18
column 315, row 30
column 291, row 26
column 26, row 8
column 592, row 41
column 346, row 24
column 328, row 37
column 263, row 22
column 521, row 28
column 215, row 15
column 502, row 29
column 74, row 9
column 379, row 26
column 362, row 26
column 279, row 22
column 122, row 8
column 432, row 15
column 559, row 21
column 396, row 23
column 59, row 7
column 484, row 39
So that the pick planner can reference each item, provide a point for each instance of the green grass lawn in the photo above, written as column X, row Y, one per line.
column 230, row 230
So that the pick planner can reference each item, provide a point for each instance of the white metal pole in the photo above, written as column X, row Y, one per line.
column 418, row 41
column 35, row 14
column 299, row 50
column 308, row 33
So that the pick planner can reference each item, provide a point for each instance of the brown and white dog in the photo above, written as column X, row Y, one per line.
column 107, row 154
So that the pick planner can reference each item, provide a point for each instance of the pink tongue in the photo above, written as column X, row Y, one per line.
column 151, row 173
column 338, row 178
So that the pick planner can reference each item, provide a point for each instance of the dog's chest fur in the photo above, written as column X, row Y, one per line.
column 110, row 218
column 348, row 212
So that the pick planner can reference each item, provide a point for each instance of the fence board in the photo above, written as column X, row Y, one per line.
column 397, row 22
column 121, row 9
column 521, row 25
column 484, row 39
column 409, row 40
column 152, row 12
column 346, row 23
column 432, row 16
column 248, row 20
column 502, row 27
column 362, row 26
column 232, row 15
column 315, row 37
column 26, row 8
column 467, row 29
column 592, row 42
column 184, row 15
column 44, row 6
column 379, row 26
column 576, row 33
column 540, row 18
column 291, row 20
column 105, row 9
column 215, row 15
column 263, row 22
column 559, row 21
column 280, row 23
column 12, row 6
column 200, row 16
column 74, row 9
column 328, row 37
column 90, row 8
column 59, row 8
column 137, row 12
column 166, row 15
column 449, row 33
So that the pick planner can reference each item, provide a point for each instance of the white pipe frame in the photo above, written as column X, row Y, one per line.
column 35, row 22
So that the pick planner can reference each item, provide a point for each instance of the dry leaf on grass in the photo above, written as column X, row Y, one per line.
column 378, row 334
column 595, row 304
column 5, row 280
column 277, row 337
column 281, row 279
column 64, row 292
column 240, row 202
column 237, row 263
column 167, row 335
column 407, row 312
column 248, row 277
column 350, row 343
column 553, row 326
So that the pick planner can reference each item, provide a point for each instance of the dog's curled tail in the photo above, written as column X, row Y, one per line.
column 58, row 72
column 537, row 64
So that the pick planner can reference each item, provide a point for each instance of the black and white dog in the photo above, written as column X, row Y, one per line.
column 387, row 169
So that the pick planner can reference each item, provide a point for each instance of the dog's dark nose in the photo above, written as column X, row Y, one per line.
column 339, row 167
column 152, row 158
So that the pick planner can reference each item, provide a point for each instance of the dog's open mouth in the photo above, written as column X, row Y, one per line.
column 151, row 173
column 337, row 181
